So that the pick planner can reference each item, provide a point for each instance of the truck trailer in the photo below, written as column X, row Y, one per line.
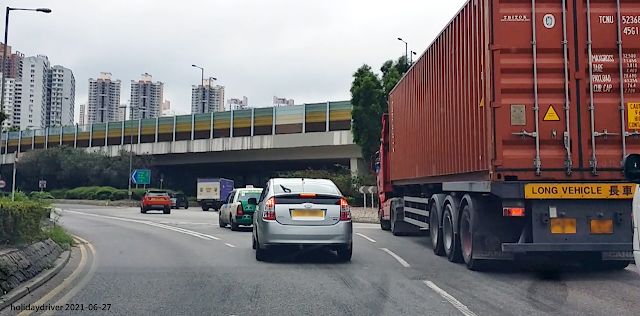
column 508, row 135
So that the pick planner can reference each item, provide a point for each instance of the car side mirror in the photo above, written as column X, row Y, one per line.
column 252, row 201
column 632, row 168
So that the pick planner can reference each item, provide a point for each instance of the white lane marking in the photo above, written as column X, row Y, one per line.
column 459, row 306
column 230, row 245
column 176, row 229
column 365, row 237
column 402, row 262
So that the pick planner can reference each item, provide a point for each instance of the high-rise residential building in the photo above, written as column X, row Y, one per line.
column 104, row 99
column 9, row 102
column 207, row 98
column 166, row 105
column 237, row 104
column 14, row 63
column 146, row 98
column 61, row 107
column 43, row 97
column 82, row 119
column 282, row 101
column 35, row 92
column 122, row 112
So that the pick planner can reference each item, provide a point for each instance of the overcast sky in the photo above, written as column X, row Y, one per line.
column 294, row 49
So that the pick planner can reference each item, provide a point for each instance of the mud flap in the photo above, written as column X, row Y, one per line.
column 489, row 230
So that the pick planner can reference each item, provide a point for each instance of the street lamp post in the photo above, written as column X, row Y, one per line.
column 406, row 47
column 412, row 53
column 202, row 82
column 4, row 53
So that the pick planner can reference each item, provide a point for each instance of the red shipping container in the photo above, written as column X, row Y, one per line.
column 521, row 90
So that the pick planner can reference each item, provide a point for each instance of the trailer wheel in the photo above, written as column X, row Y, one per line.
column 450, row 239
column 466, row 241
column 435, row 231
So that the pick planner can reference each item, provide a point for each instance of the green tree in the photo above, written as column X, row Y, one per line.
column 66, row 168
column 370, row 99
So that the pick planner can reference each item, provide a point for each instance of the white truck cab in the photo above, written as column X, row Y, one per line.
column 632, row 173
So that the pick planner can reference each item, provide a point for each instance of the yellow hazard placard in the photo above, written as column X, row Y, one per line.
column 579, row 191
column 551, row 115
column 633, row 115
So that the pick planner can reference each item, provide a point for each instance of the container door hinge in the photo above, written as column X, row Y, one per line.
column 495, row 105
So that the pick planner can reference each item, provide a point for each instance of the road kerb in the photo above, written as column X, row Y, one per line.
column 37, row 281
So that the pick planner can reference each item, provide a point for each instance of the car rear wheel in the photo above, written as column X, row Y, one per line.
column 233, row 225
column 143, row 210
column 167, row 210
column 345, row 253
column 261, row 254
column 221, row 223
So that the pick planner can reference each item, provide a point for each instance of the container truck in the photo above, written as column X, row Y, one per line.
column 211, row 192
column 507, row 136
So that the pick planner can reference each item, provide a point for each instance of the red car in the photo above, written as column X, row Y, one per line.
column 156, row 200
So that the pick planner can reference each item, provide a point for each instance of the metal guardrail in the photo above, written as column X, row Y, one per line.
column 317, row 117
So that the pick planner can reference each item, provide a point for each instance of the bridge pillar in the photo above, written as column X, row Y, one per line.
column 357, row 166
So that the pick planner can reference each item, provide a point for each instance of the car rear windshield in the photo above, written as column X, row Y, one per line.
column 246, row 195
column 157, row 193
column 317, row 188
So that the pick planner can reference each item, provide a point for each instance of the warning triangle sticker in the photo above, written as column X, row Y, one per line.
column 551, row 115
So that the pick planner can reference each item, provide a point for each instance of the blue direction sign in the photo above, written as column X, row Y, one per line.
column 141, row 176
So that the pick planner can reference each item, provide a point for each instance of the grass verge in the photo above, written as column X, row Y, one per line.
column 60, row 236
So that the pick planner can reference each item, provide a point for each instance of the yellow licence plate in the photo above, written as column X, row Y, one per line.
column 307, row 213
column 563, row 225
column 579, row 191
column 602, row 226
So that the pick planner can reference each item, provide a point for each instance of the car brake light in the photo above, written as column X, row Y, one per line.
column 269, row 213
column 307, row 195
column 345, row 212
column 513, row 211
column 240, row 210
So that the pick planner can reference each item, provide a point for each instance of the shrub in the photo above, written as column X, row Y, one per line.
column 104, row 193
column 137, row 194
column 120, row 195
column 59, row 194
column 37, row 195
column 21, row 221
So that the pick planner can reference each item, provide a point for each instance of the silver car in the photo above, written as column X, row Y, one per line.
column 307, row 212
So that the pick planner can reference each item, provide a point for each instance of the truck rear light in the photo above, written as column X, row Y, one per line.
column 513, row 211
column 240, row 210
column 345, row 212
column 269, row 213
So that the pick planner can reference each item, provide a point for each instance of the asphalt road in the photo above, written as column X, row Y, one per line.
column 184, row 264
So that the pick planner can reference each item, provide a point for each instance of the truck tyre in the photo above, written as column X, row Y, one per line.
column 204, row 208
column 384, row 224
column 450, row 239
column 186, row 205
column 466, row 240
column 395, row 229
column 435, row 231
